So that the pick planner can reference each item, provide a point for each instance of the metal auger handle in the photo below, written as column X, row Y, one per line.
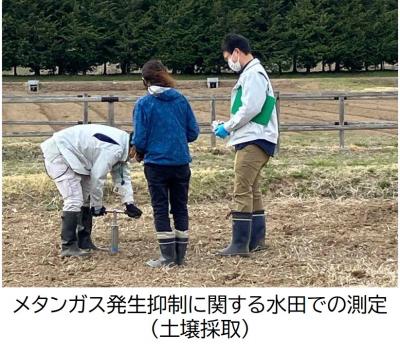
column 115, row 211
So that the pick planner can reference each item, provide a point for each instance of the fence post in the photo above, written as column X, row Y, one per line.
column 278, row 112
column 111, row 112
column 213, row 118
column 85, row 109
column 341, row 121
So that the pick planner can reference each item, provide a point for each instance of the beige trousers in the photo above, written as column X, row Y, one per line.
column 249, row 162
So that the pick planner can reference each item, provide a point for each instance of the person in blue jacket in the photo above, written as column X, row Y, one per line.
column 164, row 124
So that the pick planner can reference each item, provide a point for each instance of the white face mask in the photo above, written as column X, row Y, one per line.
column 234, row 66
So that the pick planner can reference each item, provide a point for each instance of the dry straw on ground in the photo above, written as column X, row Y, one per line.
column 316, row 242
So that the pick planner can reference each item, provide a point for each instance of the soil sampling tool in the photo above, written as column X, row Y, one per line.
column 114, row 230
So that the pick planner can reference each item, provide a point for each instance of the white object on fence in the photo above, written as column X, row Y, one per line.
column 212, row 82
column 33, row 86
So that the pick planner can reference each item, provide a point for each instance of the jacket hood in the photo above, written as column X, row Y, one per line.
column 167, row 95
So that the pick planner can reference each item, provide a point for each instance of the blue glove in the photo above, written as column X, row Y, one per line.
column 221, row 132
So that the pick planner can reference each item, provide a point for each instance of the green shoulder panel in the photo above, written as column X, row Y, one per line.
column 266, row 112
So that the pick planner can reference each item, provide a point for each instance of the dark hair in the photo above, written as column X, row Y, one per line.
column 155, row 73
column 233, row 41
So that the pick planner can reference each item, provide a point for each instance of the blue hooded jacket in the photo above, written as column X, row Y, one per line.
column 164, row 124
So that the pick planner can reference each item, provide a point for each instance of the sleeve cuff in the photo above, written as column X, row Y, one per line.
column 127, row 199
column 227, row 126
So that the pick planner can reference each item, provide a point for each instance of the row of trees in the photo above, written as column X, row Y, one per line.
column 72, row 36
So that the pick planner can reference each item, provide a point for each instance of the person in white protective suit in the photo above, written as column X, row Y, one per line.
column 78, row 160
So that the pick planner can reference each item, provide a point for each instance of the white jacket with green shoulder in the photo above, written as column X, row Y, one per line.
column 255, row 85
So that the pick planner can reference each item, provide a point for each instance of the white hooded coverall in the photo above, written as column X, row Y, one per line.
column 78, row 160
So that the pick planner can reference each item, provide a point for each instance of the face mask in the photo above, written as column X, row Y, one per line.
column 234, row 66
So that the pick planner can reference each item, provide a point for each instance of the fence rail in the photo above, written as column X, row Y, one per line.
column 341, row 125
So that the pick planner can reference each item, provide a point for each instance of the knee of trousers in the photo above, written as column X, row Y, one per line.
column 183, row 212
column 70, row 188
column 244, row 201
column 72, row 206
column 161, row 213
column 73, row 202
column 243, row 193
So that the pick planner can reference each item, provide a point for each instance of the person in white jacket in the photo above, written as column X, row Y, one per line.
column 253, row 131
column 78, row 160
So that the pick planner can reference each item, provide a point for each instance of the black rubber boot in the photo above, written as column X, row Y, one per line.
column 241, row 227
column 258, row 231
column 181, row 240
column 69, row 242
column 85, row 230
column 166, row 241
